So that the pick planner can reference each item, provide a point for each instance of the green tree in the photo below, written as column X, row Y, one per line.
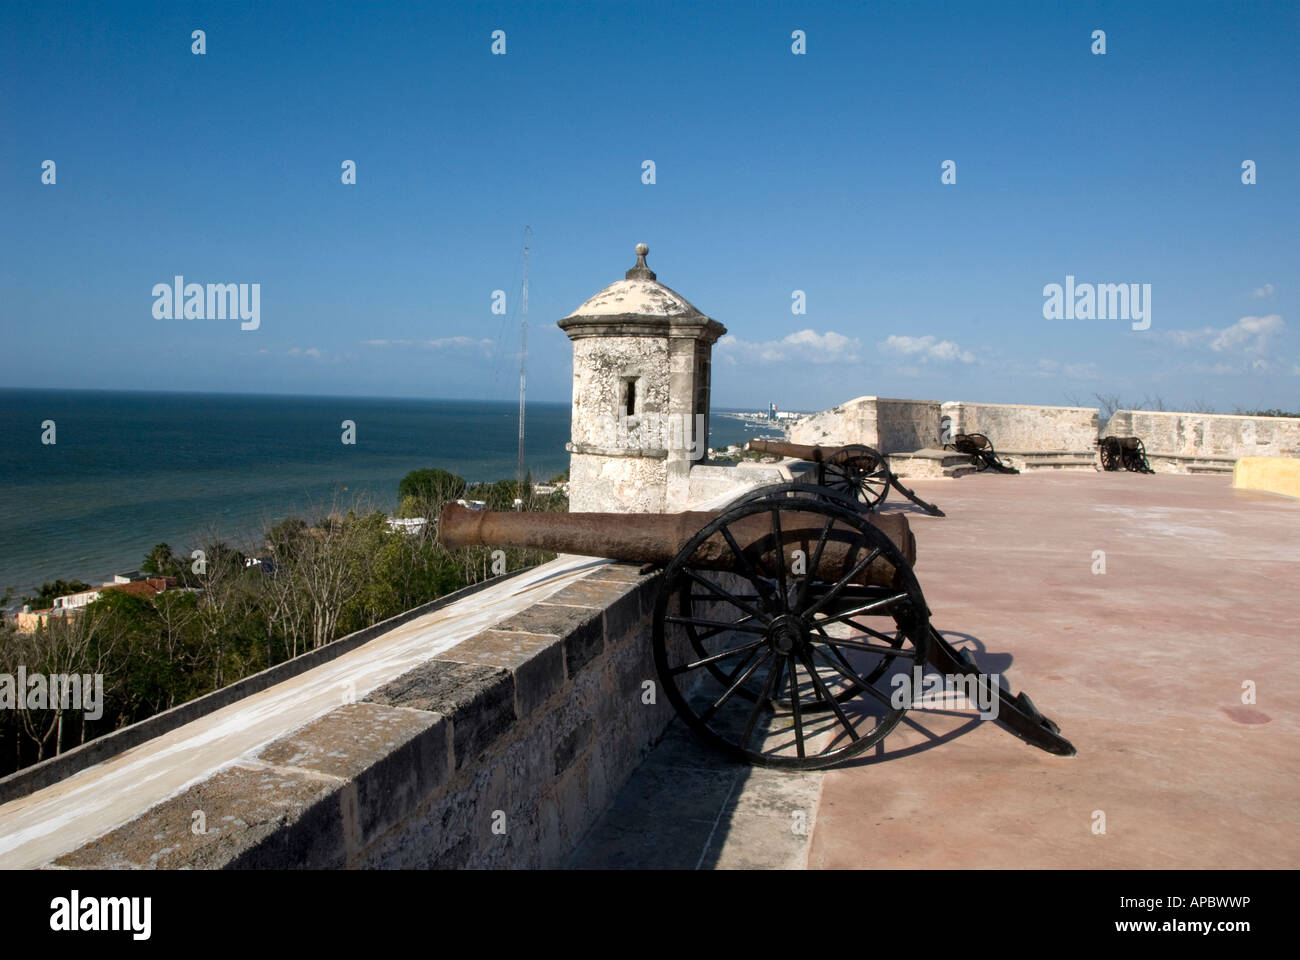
column 433, row 484
column 46, row 592
column 161, row 561
column 83, row 642
column 221, row 606
column 498, row 496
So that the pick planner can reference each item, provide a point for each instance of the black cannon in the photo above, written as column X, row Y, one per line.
column 1123, row 453
column 760, row 632
column 980, row 450
column 857, row 471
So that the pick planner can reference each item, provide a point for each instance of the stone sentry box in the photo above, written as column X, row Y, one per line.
column 641, row 367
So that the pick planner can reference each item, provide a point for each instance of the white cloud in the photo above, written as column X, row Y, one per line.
column 313, row 352
column 437, row 344
column 1249, row 335
column 1263, row 293
column 926, row 349
column 807, row 346
column 1252, row 334
column 1054, row 369
column 1189, row 338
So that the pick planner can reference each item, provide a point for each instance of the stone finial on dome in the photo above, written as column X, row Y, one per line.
column 640, row 271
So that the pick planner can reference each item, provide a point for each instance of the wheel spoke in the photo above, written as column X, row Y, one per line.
column 867, row 608
column 701, row 622
column 707, row 715
column 872, row 648
column 780, row 673
column 758, row 706
column 834, row 591
column 860, row 681
column 826, row 694
column 726, row 595
column 795, row 706
column 843, row 668
column 780, row 558
column 815, row 562
column 870, row 631
column 714, row 658
column 743, row 557
column 714, row 631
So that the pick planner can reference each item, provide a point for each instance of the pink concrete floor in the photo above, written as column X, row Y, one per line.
column 1142, row 667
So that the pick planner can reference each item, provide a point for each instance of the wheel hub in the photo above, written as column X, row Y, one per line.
column 786, row 635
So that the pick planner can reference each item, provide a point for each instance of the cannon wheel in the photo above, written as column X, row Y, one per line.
column 1135, row 458
column 1109, row 455
column 812, row 695
column 977, row 443
column 859, row 472
column 691, row 598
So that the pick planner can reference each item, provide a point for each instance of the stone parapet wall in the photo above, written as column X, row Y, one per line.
column 1025, row 428
column 709, row 481
column 906, row 425
column 23, row 782
column 1023, row 434
column 851, row 422
column 500, row 752
column 1189, row 437
column 889, row 425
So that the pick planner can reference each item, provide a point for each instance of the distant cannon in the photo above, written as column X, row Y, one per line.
column 980, row 450
column 758, row 634
column 1124, row 453
column 856, row 470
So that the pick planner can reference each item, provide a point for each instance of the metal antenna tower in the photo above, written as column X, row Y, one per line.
column 523, row 369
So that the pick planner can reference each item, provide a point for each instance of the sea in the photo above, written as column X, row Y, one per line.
column 128, row 470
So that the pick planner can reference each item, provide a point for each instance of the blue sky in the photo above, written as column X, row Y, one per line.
column 774, row 173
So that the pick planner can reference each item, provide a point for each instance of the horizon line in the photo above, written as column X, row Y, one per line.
column 321, row 396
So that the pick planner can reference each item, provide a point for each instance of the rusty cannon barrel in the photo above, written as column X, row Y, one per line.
column 801, row 451
column 651, row 538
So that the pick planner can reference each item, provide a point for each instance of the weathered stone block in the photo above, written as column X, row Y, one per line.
column 587, row 592
column 580, row 629
column 395, row 757
column 571, row 745
column 478, row 700
column 623, row 613
column 250, row 815
column 537, row 663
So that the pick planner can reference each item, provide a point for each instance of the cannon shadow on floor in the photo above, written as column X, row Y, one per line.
column 689, row 807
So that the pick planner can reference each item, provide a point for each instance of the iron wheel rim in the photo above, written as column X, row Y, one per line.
column 859, row 472
column 783, row 649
